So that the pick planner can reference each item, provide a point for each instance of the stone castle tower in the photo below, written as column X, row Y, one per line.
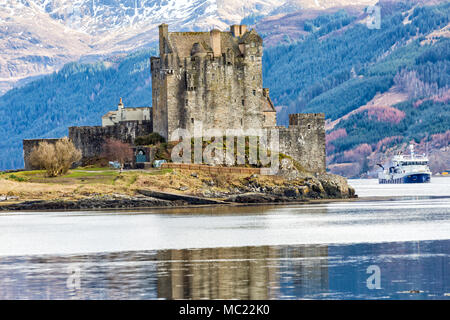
column 214, row 77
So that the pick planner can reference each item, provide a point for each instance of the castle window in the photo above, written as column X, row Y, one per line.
column 243, row 102
column 192, row 120
column 252, row 58
column 309, row 126
column 241, row 122
column 254, row 92
column 187, row 101
column 252, row 44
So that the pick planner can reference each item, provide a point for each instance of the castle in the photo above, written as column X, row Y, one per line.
column 213, row 77
column 210, row 77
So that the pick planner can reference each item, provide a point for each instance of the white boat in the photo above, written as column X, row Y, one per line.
column 406, row 169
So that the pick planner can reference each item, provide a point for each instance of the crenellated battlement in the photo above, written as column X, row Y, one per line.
column 298, row 119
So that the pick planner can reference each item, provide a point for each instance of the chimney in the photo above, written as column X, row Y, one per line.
column 235, row 30
column 215, row 42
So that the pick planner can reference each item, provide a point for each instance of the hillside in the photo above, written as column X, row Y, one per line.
column 38, row 37
column 79, row 94
column 379, row 88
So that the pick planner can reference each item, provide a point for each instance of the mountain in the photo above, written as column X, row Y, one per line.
column 380, row 88
column 39, row 36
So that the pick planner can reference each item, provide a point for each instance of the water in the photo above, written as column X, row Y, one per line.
column 318, row 251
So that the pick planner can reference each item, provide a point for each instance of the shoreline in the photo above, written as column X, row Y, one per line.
column 172, row 188
column 61, row 206
column 19, row 208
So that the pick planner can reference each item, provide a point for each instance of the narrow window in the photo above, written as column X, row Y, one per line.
column 187, row 101
column 254, row 92
column 192, row 120
column 243, row 102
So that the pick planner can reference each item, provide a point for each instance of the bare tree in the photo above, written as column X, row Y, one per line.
column 56, row 159
column 116, row 150
column 409, row 82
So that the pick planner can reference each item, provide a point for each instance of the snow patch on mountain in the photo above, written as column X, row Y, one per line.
column 40, row 36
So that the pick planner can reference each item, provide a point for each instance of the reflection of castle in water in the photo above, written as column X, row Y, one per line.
column 242, row 273
column 217, row 273
column 309, row 271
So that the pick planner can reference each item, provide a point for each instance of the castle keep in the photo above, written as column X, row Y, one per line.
column 213, row 77
column 210, row 77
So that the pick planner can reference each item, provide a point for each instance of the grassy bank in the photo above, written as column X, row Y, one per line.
column 93, row 182
column 76, row 184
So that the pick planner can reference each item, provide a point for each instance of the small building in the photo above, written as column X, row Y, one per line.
column 126, row 114
column 143, row 157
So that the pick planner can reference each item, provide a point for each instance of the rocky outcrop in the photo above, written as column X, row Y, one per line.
column 336, row 187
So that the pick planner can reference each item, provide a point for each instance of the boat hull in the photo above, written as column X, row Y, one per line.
column 410, row 178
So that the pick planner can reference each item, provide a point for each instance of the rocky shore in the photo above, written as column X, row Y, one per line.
column 289, row 187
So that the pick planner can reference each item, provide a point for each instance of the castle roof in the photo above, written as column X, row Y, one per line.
column 182, row 43
column 109, row 114
column 200, row 49
column 114, row 113
column 250, row 36
column 267, row 105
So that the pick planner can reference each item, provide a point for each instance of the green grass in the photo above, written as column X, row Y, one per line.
column 83, row 173
column 156, row 172
column 31, row 172
column 91, row 168
column 17, row 178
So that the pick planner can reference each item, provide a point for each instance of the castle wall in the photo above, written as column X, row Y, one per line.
column 304, row 140
column 28, row 146
column 90, row 140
